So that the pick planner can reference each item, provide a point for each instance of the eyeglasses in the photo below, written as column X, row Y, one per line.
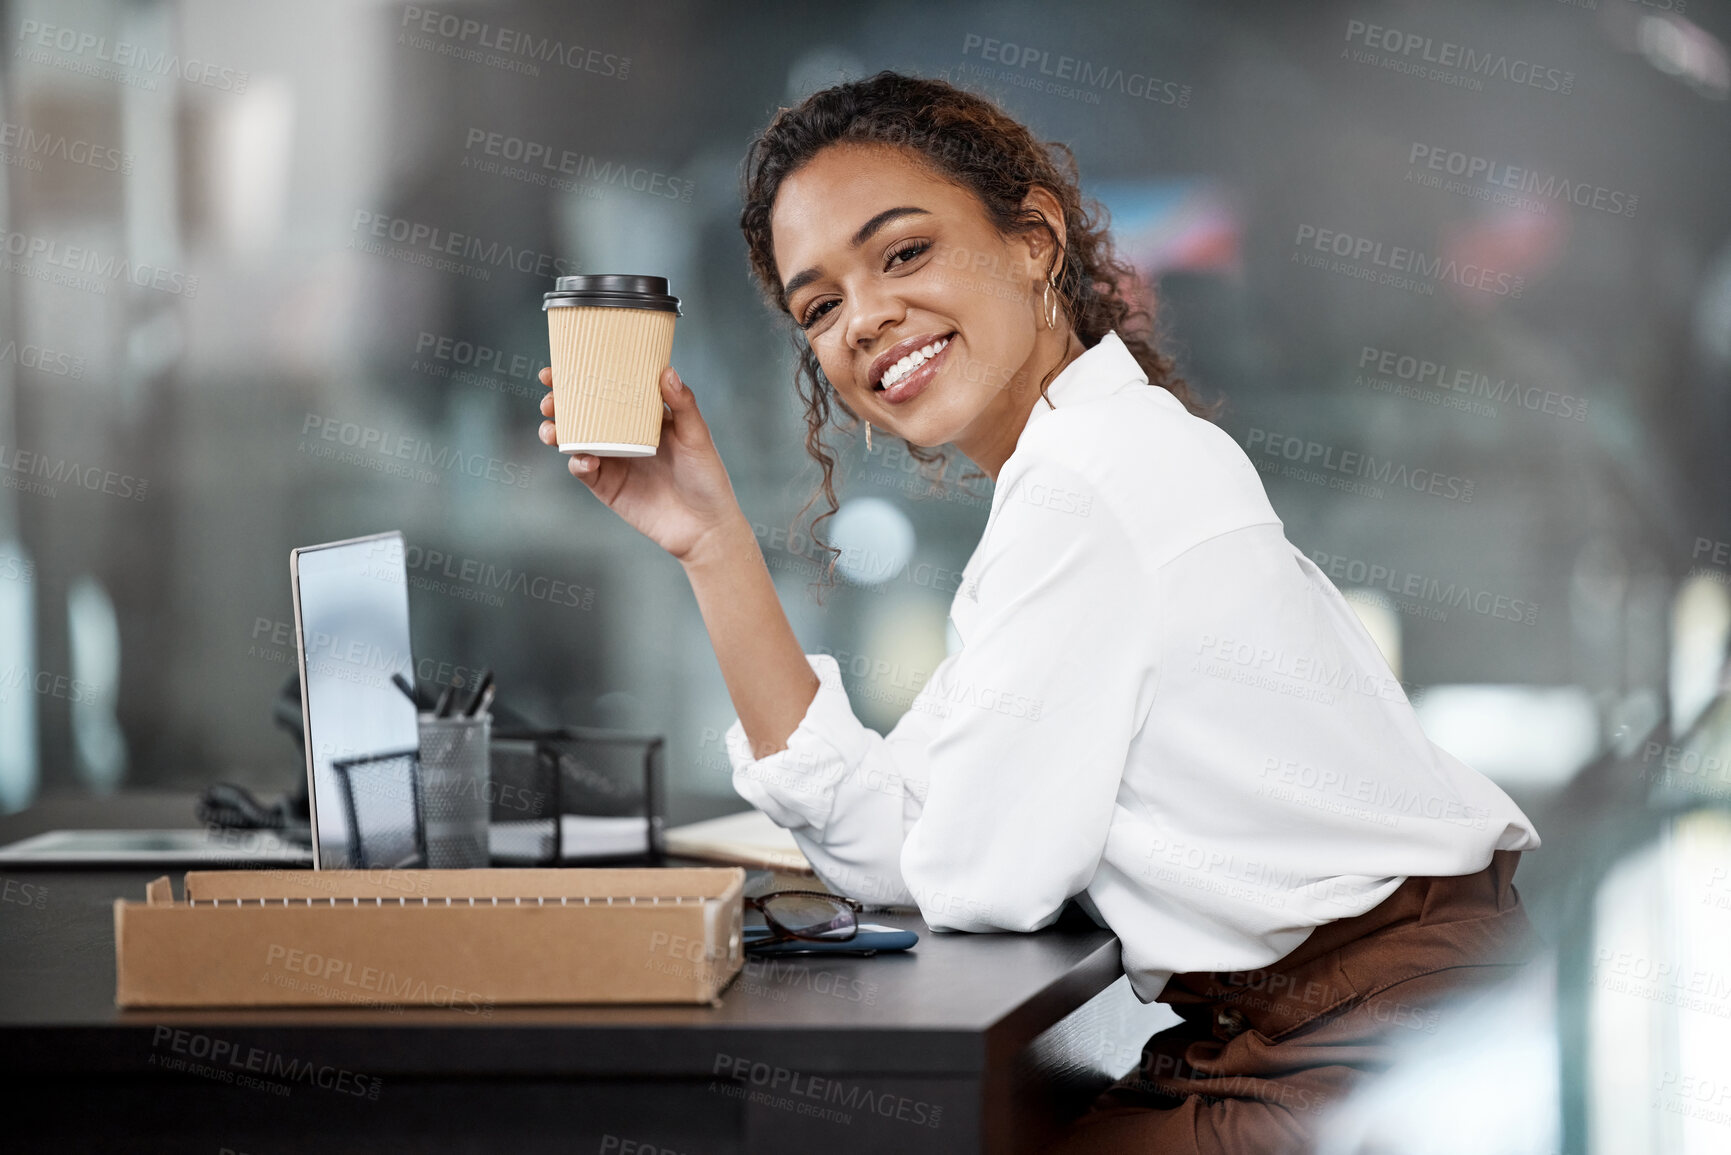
column 807, row 915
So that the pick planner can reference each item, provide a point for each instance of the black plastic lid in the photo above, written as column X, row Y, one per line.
column 612, row 291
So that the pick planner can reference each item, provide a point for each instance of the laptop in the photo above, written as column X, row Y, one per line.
column 351, row 609
column 361, row 739
column 123, row 848
column 361, row 728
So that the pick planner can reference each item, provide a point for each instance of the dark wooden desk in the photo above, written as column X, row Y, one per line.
column 968, row 1043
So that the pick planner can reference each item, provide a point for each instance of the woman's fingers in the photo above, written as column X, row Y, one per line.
column 673, row 389
column 678, row 396
column 586, row 467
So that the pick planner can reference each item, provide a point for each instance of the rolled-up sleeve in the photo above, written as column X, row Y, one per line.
column 846, row 793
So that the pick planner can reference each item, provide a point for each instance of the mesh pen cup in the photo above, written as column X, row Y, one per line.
column 611, row 336
column 455, row 785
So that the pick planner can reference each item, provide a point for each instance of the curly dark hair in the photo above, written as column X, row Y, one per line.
column 969, row 140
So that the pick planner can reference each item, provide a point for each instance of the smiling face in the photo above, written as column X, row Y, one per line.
column 925, row 319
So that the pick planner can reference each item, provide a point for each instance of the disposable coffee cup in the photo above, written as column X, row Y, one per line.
column 611, row 337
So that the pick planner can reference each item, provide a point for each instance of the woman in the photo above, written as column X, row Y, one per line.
column 1159, row 708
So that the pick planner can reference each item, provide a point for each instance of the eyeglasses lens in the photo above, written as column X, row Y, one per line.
column 812, row 916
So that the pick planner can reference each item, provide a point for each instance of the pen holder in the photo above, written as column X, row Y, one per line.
column 455, row 788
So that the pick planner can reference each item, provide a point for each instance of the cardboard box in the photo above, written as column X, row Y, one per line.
column 467, row 939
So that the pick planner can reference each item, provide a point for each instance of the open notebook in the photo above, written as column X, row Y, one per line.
column 747, row 838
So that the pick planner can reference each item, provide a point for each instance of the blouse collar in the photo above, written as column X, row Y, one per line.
column 1098, row 372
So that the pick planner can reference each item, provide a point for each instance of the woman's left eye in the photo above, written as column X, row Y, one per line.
column 908, row 252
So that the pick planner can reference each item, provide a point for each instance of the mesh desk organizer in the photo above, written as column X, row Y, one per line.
column 571, row 794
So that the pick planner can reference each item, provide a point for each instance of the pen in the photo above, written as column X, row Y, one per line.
column 403, row 685
column 444, row 701
column 480, row 706
column 482, row 684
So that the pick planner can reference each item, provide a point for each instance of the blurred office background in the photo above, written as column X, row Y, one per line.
column 273, row 274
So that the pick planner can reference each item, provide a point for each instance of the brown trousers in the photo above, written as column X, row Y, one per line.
column 1262, row 1055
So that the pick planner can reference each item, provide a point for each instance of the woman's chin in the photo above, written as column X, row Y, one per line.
column 935, row 424
column 925, row 436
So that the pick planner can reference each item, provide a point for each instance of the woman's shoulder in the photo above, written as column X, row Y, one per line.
column 1172, row 478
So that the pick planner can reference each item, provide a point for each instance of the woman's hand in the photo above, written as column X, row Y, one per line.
column 678, row 498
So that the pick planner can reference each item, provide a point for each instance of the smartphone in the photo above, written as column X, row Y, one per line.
column 868, row 940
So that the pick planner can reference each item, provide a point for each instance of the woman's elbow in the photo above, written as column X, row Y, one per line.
column 974, row 904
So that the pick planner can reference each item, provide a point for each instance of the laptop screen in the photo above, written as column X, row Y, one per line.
column 352, row 621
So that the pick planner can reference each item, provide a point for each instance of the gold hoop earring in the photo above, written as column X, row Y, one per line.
column 868, row 438
column 1049, row 298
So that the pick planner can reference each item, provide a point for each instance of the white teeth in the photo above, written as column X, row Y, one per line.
column 912, row 361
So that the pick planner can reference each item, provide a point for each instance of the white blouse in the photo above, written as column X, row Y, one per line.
column 1159, row 707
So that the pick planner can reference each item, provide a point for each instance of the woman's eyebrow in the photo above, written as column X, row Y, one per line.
column 866, row 231
column 872, row 226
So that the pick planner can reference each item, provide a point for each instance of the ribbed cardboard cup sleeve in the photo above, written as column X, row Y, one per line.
column 607, row 365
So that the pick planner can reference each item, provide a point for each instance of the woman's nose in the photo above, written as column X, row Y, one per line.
column 871, row 317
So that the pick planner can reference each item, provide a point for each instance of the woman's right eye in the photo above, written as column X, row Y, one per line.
column 815, row 313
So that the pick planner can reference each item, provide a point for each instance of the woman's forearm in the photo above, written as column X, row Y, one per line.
column 767, row 675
